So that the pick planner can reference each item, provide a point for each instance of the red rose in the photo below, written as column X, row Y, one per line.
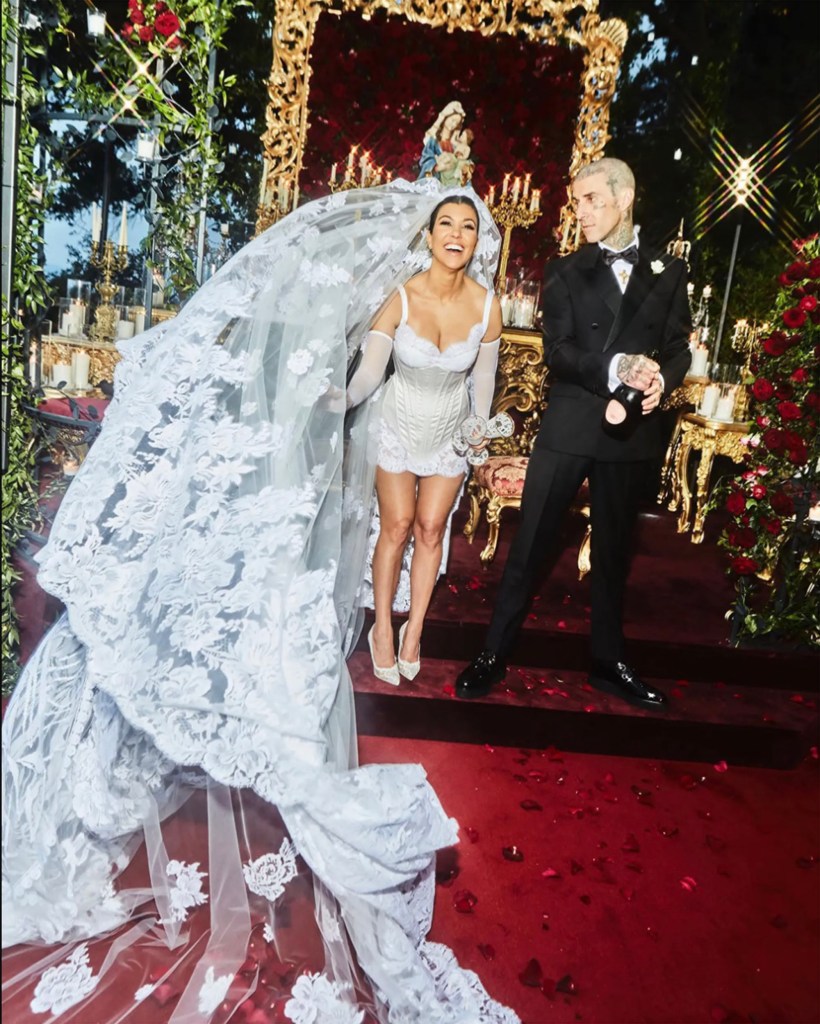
column 794, row 318
column 745, row 537
column 775, row 345
column 800, row 375
column 762, row 389
column 791, row 439
column 759, row 491
column 137, row 16
column 784, row 391
column 127, row 30
column 160, row 7
column 735, row 503
column 167, row 23
column 814, row 268
column 744, row 566
column 173, row 42
column 784, row 280
column 789, row 411
column 782, row 503
column 800, row 456
column 808, row 303
column 797, row 271
column 146, row 33
column 815, row 316
column 813, row 401
column 773, row 526
column 773, row 439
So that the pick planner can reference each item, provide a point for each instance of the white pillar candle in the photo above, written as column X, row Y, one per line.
column 125, row 329
column 81, row 364
column 724, row 407
column 139, row 323
column 516, row 189
column 124, row 226
column 333, row 174
column 711, row 394
column 61, row 375
column 700, row 357
column 65, row 321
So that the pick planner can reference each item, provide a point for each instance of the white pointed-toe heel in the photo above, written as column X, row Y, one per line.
column 409, row 669
column 387, row 675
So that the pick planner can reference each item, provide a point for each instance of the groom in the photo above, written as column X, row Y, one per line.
column 606, row 308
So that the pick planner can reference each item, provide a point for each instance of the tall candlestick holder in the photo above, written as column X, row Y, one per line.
column 512, row 209
column 679, row 247
column 744, row 342
column 111, row 260
column 358, row 172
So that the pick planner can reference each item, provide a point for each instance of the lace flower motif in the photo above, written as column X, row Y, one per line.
column 186, row 892
column 315, row 999
column 269, row 874
column 64, row 985
column 213, row 990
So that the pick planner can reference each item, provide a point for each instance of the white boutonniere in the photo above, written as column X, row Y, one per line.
column 657, row 266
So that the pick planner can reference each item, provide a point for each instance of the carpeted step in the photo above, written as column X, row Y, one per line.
column 704, row 721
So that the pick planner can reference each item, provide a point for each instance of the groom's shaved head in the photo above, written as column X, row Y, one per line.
column 618, row 175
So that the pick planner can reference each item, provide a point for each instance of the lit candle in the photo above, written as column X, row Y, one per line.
column 535, row 201
column 95, row 223
column 124, row 227
column 505, row 184
column 526, row 186
column 333, row 174
column 351, row 157
column 516, row 189
column 707, row 291
column 491, row 196
column 389, row 175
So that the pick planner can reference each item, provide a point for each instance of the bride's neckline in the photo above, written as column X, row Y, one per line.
column 453, row 344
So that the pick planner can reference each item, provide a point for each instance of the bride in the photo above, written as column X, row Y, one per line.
column 184, row 821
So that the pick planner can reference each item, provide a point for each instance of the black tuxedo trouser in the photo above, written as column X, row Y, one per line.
column 553, row 480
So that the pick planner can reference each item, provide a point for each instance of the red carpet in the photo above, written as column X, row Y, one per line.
column 681, row 893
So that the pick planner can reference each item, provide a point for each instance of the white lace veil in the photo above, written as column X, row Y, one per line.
column 209, row 555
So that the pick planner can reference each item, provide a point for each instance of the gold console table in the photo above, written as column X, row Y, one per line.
column 709, row 437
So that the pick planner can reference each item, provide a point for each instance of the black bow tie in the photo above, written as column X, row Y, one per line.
column 630, row 255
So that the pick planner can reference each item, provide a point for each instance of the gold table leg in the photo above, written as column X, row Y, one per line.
column 707, row 457
column 683, row 495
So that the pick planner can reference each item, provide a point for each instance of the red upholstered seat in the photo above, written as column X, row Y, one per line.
column 503, row 475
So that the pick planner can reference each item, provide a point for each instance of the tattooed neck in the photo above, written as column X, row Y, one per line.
column 621, row 236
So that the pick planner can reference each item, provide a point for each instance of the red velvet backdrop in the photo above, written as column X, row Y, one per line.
column 380, row 83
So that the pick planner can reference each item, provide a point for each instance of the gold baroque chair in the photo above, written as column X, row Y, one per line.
column 499, row 482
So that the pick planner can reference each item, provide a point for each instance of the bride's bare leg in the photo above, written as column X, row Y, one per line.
column 396, row 493
column 435, row 500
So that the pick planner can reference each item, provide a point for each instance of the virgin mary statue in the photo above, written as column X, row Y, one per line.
column 186, row 833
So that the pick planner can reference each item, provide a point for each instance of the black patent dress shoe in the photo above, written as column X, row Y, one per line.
column 480, row 676
column 620, row 680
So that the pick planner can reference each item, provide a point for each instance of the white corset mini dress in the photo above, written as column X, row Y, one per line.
column 426, row 399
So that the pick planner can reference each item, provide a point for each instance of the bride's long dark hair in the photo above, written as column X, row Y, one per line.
column 460, row 200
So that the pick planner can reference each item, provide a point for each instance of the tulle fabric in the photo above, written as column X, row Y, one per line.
column 183, row 813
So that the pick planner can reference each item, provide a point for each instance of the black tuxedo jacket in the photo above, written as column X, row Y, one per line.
column 587, row 321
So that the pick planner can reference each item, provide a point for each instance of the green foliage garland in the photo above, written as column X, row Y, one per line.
column 30, row 297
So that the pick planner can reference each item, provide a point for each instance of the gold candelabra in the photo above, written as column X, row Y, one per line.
column 744, row 341
column 679, row 247
column 359, row 172
column 110, row 262
column 516, row 207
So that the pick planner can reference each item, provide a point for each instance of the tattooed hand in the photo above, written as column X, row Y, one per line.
column 638, row 371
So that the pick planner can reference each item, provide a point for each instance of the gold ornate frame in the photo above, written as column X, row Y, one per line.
column 574, row 22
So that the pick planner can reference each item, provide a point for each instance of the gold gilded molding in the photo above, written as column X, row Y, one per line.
column 573, row 22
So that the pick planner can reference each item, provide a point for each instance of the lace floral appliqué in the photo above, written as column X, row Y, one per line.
column 186, row 892
column 268, row 875
column 317, row 1000
column 213, row 990
column 65, row 985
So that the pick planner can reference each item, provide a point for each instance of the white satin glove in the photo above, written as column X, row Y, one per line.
column 376, row 350
column 484, row 371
